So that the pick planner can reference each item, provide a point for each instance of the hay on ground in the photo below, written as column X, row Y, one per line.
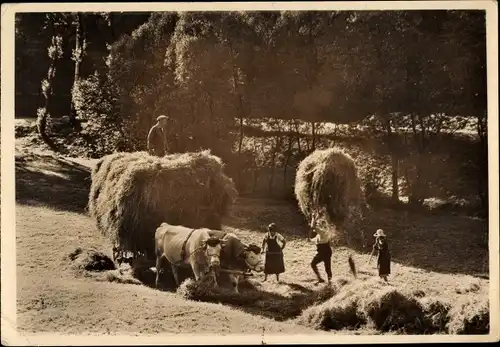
column 470, row 316
column 391, row 309
column 418, row 293
column 90, row 260
column 133, row 193
column 471, row 286
column 368, row 303
column 342, row 311
column 334, row 314
column 436, row 313
column 116, row 276
column 254, row 300
column 327, row 183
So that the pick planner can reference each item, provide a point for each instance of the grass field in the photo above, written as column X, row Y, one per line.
column 438, row 255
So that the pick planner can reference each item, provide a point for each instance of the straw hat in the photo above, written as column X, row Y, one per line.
column 379, row 233
column 159, row 118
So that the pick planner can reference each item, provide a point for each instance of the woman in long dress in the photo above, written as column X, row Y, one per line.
column 384, row 255
column 273, row 245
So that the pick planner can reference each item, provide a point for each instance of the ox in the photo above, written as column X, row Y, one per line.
column 237, row 258
column 182, row 246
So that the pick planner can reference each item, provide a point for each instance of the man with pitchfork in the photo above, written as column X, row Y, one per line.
column 323, row 241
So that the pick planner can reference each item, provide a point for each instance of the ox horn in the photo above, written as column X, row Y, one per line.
column 253, row 248
column 212, row 241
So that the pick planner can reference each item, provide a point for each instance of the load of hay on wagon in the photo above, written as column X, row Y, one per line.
column 133, row 193
column 327, row 184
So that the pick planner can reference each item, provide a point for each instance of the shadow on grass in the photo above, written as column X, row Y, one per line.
column 439, row 242
column 251, row 298
column 46, row 180
column 454, row 244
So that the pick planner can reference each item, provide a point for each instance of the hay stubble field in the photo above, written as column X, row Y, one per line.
column 442, row 256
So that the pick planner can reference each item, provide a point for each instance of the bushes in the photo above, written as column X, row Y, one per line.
column 24, row 128
column 95, row 106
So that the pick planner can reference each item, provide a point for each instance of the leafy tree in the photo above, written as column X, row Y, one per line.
column 55, row 52
column 401, row 78
column 410, row 57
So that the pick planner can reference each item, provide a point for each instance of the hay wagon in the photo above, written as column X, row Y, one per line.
column 133, row 193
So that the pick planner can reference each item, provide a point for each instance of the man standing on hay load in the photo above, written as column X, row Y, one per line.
column 156, row 137
column 273, row 245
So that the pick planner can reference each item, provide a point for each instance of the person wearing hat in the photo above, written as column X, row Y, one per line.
column 384, row 256
column 156, row 137
column 273, row 245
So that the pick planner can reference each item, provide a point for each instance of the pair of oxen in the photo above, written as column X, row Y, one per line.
column 208, row 253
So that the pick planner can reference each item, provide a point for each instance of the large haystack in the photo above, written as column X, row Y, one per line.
column 327, row 182
column 133, row 193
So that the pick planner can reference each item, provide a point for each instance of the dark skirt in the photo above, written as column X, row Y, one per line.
column 384, row 265
column 274, row 263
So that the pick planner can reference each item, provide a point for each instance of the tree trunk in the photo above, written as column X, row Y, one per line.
column 241, row 109
column 112, row 33
column 395, row 177
column 255, row 179
column 211, row 118
column 416, row 191
column 239, row 99
column 394, row 160
column 43, row 114
column 313, row 136
column 41, row 124
column 241, row 132
column 311, row 76
column 297, row 131
column 77, row 57
column 287, row 160
column 273, row 163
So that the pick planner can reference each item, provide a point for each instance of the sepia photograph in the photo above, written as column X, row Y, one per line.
column 249, row 173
